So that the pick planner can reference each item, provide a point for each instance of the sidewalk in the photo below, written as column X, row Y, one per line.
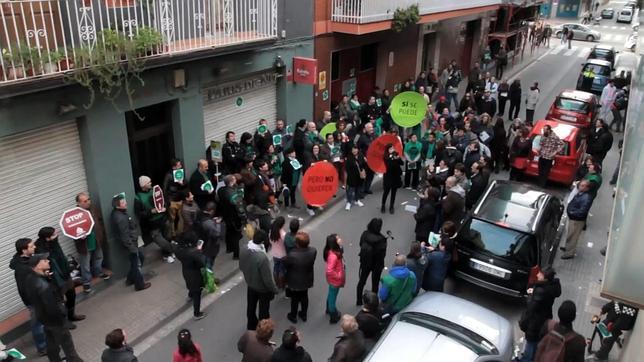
column 113, row 305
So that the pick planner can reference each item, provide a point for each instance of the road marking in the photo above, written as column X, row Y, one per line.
column 613, row 27
column 557, row 50
column 622, row 28
column 526, row 68
column 583, row 53
column 605, row 26
column 570, row 51
column 607, row 37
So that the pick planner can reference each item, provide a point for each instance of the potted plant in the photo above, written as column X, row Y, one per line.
column 51, row 61
column 32, row 60
column 147, row 40
column 13, row 63
column 65, row 62
column 113, row 44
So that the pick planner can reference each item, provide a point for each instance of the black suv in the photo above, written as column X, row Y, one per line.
column 512, row 232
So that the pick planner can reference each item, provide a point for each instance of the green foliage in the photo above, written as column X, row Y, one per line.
column 405, row 17
column 147, row 40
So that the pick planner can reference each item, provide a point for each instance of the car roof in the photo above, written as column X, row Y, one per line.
column 482, row 321
column 512, row 205
column 603, row 63
column 577, row 95
column 565, row 131
column 604, row 47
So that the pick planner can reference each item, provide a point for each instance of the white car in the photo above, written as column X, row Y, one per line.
column 625, row 15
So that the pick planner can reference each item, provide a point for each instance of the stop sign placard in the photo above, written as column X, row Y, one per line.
column 76, row 223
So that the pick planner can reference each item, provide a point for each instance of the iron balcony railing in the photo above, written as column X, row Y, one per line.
column 44, row 37
column 369, row 11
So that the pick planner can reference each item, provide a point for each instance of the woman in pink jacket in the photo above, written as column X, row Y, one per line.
column 335, row 274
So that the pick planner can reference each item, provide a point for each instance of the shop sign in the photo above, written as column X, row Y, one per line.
column 305, row 70
column 235, row 88
column 325, row 95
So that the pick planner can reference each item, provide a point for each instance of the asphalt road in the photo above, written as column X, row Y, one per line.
column 225, row 323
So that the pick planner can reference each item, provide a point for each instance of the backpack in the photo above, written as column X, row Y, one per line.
column 552, row 347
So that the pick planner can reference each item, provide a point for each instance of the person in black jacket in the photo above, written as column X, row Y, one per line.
column 392, row 178
column 426, row 214
column 117, row 348
column 231, row 154
column 126, row 230
column 542, row 295
column 47, row 243
column 25, row 248
column 621, row 317
column 478, row 186
column 373, row 249
column 356, row 167
column 211, row 230
column 198, row 187
column 47, row 302
column 192, row 260
column 599, row 142
column 291, row 174
column 299, row 275
column 369, row 319
column 364, row 141
column 299, row 140
column 499, row 146
column 232, row 210
column 515, row 99
column 289, row 351
column 173, row 192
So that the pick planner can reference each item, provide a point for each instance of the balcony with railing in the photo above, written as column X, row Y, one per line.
column 370, row 11
column 48, row 37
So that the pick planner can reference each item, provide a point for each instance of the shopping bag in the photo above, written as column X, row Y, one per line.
column 208, row 280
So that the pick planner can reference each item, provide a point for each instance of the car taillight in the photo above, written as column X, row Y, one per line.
column 532, row 278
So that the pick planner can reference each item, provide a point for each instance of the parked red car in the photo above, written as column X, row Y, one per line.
column 576, row 107
column 568, row 161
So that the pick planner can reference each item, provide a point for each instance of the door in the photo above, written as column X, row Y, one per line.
column 429, row 50
column 151, row 141
column 466, row 59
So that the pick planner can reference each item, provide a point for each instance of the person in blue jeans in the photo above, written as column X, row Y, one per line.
column 356, row 168
column 25, row 248
column 335, row 274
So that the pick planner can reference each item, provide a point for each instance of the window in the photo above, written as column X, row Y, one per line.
column 335, row 65
column 500, row 241
column 368, row 56
column 573, row 105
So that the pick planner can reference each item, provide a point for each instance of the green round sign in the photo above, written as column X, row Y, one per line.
column 408, row 109
column 328, row 128
column 239, row 101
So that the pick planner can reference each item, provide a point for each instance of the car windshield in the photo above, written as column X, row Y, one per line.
column 573, row 105
column 601, row 54
column 466, row 337
column 597, row 69
column 500, row 241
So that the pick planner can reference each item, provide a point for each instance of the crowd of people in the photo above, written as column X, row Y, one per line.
column 447, row 160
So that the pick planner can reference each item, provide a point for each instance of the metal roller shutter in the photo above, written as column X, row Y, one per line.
column 42, row 172
column 224, row 115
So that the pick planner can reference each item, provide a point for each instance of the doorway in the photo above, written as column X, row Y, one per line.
column 470, row 30
column 151, row 141
column 429, row 51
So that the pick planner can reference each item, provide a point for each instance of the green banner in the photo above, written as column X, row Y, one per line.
column 408, row 109
column 328, row 128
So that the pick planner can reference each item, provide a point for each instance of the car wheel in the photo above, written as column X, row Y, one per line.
column 590, row 38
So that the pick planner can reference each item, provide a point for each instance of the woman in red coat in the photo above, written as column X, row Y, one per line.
column 335, row 274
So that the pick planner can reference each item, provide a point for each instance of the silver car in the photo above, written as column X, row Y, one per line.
column 442, row 327
column 579, row 32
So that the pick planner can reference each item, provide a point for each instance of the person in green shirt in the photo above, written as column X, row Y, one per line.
column 413, row 154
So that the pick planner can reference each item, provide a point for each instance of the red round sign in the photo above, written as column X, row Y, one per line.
column 376, row 152
column 76, row 223
column 320, row 183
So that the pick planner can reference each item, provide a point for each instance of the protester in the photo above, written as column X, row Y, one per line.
column 607, row 98
column 364, row 141
column 152, row 220
column 187, row 350
column 189, row 211
column 126, row 230
column 255, row 345
column 438, row 259
column 289, row 238
column 199, row 181
column 25, row 248
column 577, row 211
column 335, row 274
column 192, row 260
column 499, row 147
column 90, row 248
column 173, row 192
column 261, row 289
column 350, row 346
column 291, row 174
column 504, row 91
column 211, row 230
column 501, row 61
column 412, row 153
column 356, row 168
column 289, row 351
column 519, row 151
column 398, row 287
column 515, row 99
column 552, row 333
column 426, row 213
column 600, row 141
column 47, row 301
column 417, row 263
column 277, row 251
column 549, row 146
column 370, row 319
column 232, row 209
column 621, row 317
column 299, row 276
column 232, row 155
column 541, row 297
column 453, row 203
column 47, row 243
column 373, row 249
column 117, row 348
column 391, row 180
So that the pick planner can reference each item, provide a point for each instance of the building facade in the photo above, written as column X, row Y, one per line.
column 357, row 50
column 220, row 65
